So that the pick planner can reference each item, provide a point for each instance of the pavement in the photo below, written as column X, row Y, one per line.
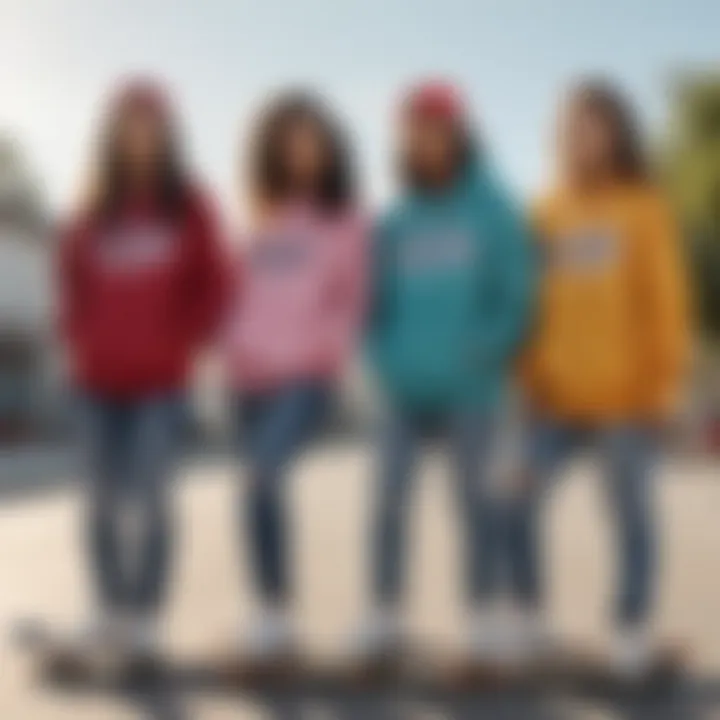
column 42, row 575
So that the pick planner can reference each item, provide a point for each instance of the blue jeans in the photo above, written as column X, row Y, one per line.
column 130, row 448
column 628, row 454
column 469, row 436
column 274, row 428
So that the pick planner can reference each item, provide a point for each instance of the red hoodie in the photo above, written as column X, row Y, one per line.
column 138, row 297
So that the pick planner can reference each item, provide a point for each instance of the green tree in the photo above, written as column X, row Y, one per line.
column 692, row 165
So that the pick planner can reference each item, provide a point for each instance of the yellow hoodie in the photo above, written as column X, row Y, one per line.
column 612, row 337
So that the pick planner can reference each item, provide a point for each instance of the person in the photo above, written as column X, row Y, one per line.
column 452, row 289
column 607, row 360
column 141, row 279
column 296, row 309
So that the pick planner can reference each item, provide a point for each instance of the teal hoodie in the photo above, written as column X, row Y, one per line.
column 453, row 286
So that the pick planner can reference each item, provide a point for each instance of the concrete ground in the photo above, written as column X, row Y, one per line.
column 41, row 573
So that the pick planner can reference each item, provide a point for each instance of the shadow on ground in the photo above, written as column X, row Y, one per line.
column 693, row 700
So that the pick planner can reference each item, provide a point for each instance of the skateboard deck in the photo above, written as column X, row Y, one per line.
column 593, row 674
column 60, row 661
column 302, row 672
column 417, row 670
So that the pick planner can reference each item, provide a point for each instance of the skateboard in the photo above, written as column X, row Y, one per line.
column 593, row 674
column 413, row 670
column 562, row 670
column 60, row 661
column 302, row 672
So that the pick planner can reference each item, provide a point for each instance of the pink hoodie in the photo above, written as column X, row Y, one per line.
column 297, row 302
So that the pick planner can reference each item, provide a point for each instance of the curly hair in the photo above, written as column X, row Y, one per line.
column 270, row 179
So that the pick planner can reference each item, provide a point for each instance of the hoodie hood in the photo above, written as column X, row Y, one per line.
column 471, row 178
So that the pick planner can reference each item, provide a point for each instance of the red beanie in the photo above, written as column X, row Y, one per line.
column 436, row 99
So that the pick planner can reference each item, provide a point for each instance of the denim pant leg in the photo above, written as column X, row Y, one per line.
column 278, row 427
column 397, row 449
column 548, row 445
column 479, row 509
column 630, row 454
column 153, row 448
column 103, row 440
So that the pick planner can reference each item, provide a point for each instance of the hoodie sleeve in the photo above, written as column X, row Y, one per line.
column 514, row 283
column 380, row 282
column 210, row 282
column 664, row 302
column 69, row 283
column 350, row 290
column 234, row 305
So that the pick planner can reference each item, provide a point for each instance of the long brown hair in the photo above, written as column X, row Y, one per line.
column 269, row 178
column 609, row 103
column 109, row 188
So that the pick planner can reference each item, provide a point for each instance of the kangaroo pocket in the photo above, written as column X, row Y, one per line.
column 124, row 348
column 588, row 355
column 426, row 363
column 592, row 371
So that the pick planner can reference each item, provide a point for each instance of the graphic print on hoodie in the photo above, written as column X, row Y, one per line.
column 298, row 299
column 452, row 292
column 587, row 250
column 135, row 247
column 436, row 251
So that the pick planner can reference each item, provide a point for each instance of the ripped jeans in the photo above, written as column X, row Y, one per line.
column 130, row 449
column 274, row 428
column 628, row 454
column 469, row 439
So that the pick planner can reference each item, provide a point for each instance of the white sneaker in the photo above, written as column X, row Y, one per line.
column 521, row 636
column 632, row 651
column 381, row 635
column 539, row 640
column 103, row 631
column 270, row 637
column 141, row 635
column 483, row 641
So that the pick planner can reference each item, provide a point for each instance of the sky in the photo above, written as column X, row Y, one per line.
column 221, row 58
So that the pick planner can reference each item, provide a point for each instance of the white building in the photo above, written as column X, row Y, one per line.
column 25, row 297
